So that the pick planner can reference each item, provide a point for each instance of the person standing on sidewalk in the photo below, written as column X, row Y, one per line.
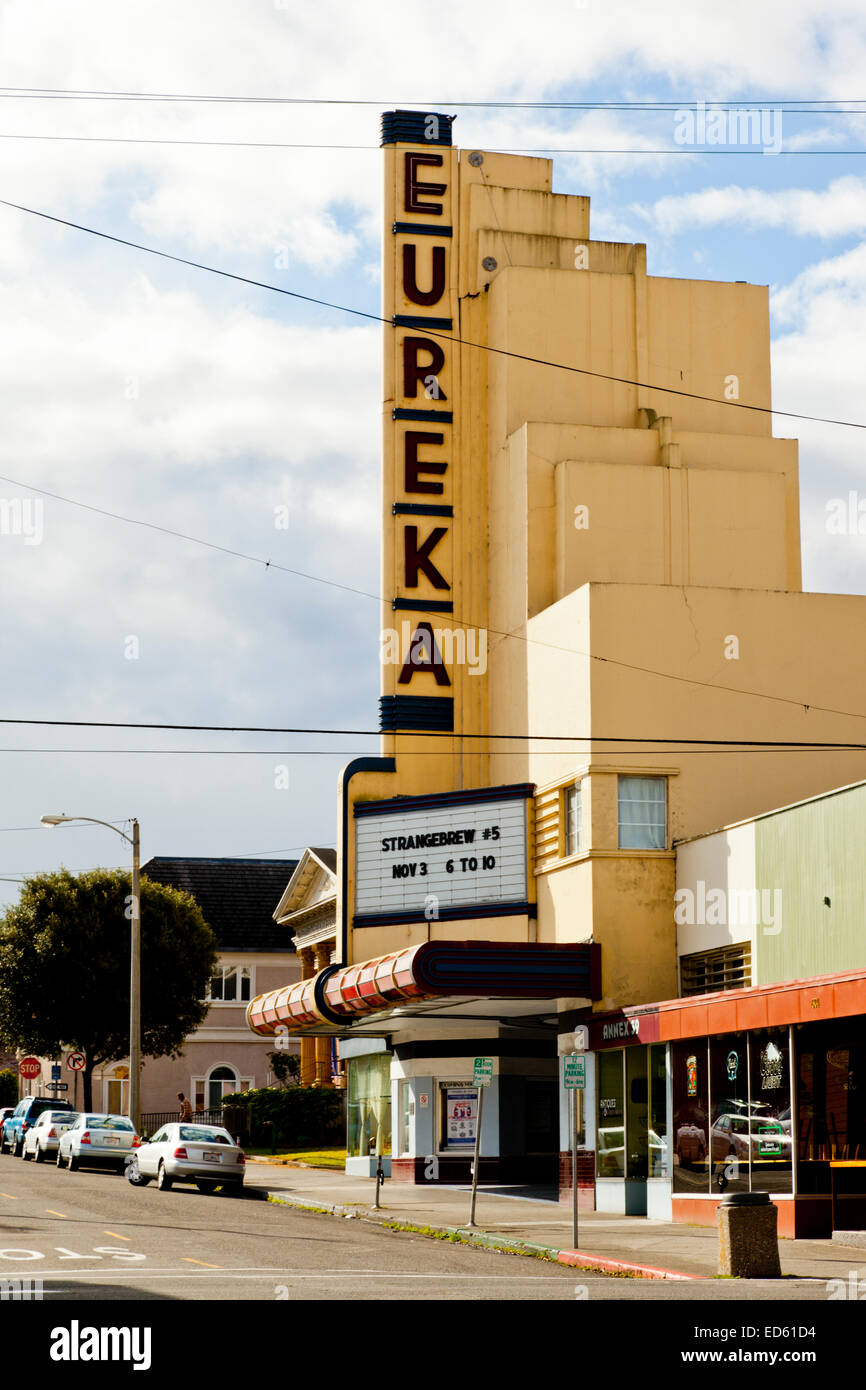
column 185, row 1112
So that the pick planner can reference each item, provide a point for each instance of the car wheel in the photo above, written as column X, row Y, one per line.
column 72, row 1162
column 18, row 1146
column 163, row 1181
column 59, row 1159
column 208, row 1188
column 4, row 1147
column 39, row 1154
column 25, row 1153
column 134, row 1174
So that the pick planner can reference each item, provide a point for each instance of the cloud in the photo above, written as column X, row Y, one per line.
column 839, row 210
column 198, row 404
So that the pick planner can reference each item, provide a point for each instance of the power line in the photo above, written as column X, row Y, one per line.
column 735, row 748
column 510, row 149
column 444, row 337
column 194, row 540
column 788, row 105
column 308, row 844
column 459, row 622
column 523, row 737
column 464, row 342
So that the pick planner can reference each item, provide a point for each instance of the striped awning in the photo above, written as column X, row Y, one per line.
column 434, row 970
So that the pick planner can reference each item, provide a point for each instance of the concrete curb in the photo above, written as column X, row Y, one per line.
column 482, row 1239
column 469, row 1237
column 581, row 1260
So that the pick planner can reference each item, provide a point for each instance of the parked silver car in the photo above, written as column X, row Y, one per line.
column 97, row 1140
column 202, row 1154
column 43, row 1138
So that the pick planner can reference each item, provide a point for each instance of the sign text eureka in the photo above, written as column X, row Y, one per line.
column 423, row 368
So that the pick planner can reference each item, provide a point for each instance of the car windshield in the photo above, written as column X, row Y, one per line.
column 107, row 1122
column 195, row 1134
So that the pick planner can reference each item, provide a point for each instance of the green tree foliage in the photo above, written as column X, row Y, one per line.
column 286, row 1067
column 8, row 1088
column 65, row 963
column 296, row 1116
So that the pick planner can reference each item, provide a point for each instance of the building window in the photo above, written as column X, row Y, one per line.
column 642, row 812
column 369, row 1105
column 729, row 967
column 116, row 1089
column 232, row 984
column 407, row 1109
column 610, row 1154
column 691, row 1094
column 731, row 1115
column 208, row 1092
column 573, row 819
column 659, row 1147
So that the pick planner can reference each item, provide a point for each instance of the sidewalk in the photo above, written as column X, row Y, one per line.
column 626, row 1244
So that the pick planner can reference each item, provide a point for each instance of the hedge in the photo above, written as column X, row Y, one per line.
column 296, row 1117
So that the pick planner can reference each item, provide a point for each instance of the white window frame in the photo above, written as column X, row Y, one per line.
column 641, row 777
column 568, row 800
column 244, row 1083
column 223, row 967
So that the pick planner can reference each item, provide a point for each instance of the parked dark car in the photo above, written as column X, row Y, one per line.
column 25, row 1114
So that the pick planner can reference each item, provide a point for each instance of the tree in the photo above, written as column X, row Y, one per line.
column 64, row 967
column 8, row 1087
column 286, row 1067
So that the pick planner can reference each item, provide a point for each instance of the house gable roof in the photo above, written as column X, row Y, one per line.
column 312, row 885
column 237, row 897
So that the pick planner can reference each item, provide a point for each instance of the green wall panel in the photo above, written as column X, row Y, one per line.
column 813, row 852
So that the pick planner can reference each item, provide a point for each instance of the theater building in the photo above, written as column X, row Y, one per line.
column 595, row 644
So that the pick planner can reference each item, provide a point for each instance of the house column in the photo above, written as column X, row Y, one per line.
column 308, row 1045
column 323, row 1045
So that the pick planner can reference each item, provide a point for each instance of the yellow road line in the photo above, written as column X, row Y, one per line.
column 9, row 1195
column 57, row 1213
column 187, row 1260
column 116, row 1234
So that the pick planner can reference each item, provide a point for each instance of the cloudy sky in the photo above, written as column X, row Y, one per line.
column 193, row 403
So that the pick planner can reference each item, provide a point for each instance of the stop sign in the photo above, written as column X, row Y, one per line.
column 30, row 1066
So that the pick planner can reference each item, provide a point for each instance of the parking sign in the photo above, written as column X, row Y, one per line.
column 574, row 1072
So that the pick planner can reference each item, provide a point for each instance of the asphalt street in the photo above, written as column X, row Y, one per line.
column 88, row 1235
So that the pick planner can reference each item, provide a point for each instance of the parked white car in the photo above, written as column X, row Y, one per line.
column 97, row 1140
column 201, row 1154
column 43, row 1138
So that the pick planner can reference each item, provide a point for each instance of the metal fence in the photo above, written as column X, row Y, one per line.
column 152, row 1120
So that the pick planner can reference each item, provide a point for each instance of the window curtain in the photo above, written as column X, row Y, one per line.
column 642, row 812
column 369, row 1105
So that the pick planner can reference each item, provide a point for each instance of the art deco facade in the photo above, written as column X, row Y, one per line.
column 594, row 618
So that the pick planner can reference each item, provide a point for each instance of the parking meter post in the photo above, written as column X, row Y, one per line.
column 471, row 1221
column 572, row 1108
column 380, row 1178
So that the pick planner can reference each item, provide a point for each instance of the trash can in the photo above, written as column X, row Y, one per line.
column 748, row 1236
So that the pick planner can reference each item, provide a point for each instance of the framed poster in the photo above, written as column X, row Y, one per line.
column 459, row 1101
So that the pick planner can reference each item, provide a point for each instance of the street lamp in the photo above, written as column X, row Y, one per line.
column 135, row 961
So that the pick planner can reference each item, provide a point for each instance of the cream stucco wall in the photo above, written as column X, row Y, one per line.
column 675, row 613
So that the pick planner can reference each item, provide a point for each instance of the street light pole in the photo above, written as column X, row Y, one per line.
column 135, row 988
column 134, row 914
